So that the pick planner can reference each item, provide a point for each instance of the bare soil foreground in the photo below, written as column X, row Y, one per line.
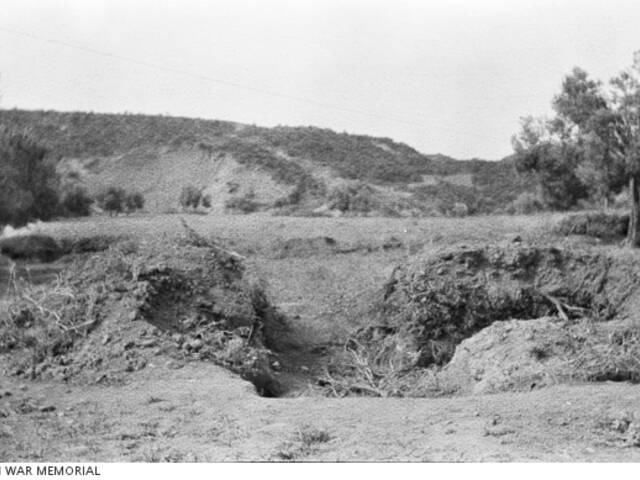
column 203, row 413
column 313, row 339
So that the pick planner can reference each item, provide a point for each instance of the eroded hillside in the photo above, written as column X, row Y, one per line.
column 293, row 169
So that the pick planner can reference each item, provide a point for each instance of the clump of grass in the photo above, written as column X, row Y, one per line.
column 606, row 354
column 306, row 440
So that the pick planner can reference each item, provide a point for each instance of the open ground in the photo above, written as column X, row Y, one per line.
column 196, row 411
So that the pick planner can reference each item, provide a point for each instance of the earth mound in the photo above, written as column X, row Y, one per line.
column 435, row 303
column 134, row 304
column 529, row 354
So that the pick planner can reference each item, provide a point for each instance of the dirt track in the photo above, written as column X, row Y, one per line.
column 203, row 413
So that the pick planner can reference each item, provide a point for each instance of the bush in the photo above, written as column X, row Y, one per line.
column 244, row 204
column 525, row 204
column 134, row 201
column 76, row 202
column 28, row 181
column 599, row 225
column 112, row 200
column 355, row 198
column 460, row 209
column 191, row 197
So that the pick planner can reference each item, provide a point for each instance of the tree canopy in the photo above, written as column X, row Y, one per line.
column 591, row 147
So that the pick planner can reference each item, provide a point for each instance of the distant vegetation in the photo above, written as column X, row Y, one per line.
column 192, row 197
column 114, row 200
column 590, row 150
column 291, row 156
column 28, row 180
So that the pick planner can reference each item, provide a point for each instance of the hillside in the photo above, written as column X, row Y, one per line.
column 293, row 168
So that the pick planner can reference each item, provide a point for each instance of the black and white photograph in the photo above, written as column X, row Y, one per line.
column 318, row 231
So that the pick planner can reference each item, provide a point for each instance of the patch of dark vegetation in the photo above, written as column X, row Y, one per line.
column 606, row 226
column 36, row 247
column 246, row 204
column 77, row 134
column 111, row 313
column 45, row 249
column 305, row 247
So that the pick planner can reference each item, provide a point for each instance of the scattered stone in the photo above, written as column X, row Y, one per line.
column 276, row 365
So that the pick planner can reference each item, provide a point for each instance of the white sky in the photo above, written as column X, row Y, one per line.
column 443, row 76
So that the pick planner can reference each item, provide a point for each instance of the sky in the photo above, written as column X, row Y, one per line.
column 450, row 77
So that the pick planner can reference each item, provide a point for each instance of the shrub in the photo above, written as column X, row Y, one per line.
column 525, row 203
column 600, row 225
column 76, row 202
column 356, row 198
column 28, row 181
column 244, row 204
column 134, row 201
column 112, row 200
column 460, row 209
column 190, row 197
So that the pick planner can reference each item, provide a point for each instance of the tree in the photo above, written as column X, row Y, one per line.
column 595, row 134
column 539, row 149
column 28, row 180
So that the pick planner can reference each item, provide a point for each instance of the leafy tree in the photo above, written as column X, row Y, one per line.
column 596, row 135
column 554, row 162
column 28, row 180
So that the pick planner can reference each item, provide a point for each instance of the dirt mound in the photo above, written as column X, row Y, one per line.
column 132, row 306
column 513, row 355
column 437, row 302
column 528, row 354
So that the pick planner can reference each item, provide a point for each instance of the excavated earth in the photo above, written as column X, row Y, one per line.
column 114, row 312
column 513, row 316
